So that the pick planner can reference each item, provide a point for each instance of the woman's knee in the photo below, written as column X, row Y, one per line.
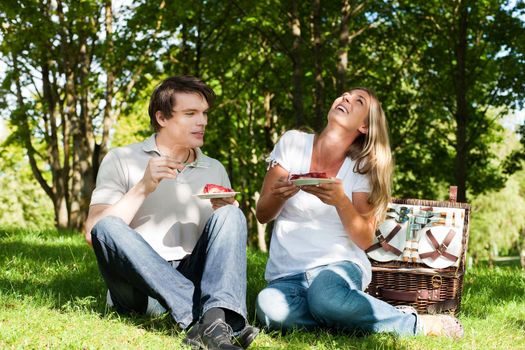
column 278, row 311
column 330, row 296
column 271, row 307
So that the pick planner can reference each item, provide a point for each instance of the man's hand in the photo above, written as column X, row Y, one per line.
column 329, row 193
column 284, row 188
column 216, row 203
column 160, row 168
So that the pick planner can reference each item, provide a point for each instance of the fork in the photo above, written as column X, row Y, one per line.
column 196, row 164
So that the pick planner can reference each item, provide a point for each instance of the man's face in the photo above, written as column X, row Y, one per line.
column 188, row 120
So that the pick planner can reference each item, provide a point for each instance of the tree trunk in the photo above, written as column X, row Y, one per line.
column 461, row 86
column 269, row 132
column 83, row 140
column 261, row 228
column 297, row 91
column 185, row 51
column 342, row 55
column 198, row 45
column 108, row 119
column 318, row 64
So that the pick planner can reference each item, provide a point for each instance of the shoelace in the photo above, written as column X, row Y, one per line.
column 225, row 330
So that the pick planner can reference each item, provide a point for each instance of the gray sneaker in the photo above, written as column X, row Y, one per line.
column 216, row 336
column 246, row 336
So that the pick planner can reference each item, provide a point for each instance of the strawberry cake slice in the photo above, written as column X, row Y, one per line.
column 312, row 175
column 212, row 188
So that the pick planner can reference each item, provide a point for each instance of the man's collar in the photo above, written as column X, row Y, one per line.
column 150, row 145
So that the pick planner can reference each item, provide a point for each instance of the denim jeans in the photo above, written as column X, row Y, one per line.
column 214, row 275
column 329, row 296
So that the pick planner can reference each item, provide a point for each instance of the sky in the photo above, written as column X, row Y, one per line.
column 514, row 120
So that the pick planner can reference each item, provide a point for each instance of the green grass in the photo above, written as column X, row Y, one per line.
column 52, row 297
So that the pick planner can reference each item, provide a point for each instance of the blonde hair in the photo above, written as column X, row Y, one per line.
column 372, row 155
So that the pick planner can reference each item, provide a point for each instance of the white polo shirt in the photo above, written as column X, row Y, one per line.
column 171, row 219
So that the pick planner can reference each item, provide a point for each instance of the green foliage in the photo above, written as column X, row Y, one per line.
column 23, row 203
column 427, row 117
column 515, row 160
column 52, row 296
column 443, row 108
column 498, row 220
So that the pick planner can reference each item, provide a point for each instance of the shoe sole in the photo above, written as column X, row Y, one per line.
column 245, row 342
column 194, row 344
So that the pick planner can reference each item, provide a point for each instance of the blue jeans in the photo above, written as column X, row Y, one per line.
column 214, row 275
column 329, row 296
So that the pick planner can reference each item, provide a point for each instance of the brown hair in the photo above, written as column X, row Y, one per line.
column 163, row 97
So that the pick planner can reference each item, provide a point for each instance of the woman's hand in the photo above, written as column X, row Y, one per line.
column 329, row 193
column 284, row 188
column 276, row 190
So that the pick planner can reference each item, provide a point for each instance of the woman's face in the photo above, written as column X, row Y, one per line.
column 350, row 110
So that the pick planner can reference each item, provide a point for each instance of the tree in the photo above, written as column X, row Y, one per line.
column 63, row 74
column 470, row 63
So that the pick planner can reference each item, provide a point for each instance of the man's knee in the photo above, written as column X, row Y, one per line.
column 233, row 218
column 230, row 212
column 106, row 227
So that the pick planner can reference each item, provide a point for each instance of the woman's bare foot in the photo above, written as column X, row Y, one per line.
column 441, row 325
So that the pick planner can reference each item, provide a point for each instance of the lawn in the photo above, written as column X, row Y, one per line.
column 52, row 297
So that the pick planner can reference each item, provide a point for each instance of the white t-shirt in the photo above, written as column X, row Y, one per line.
column 171, row 219
column 308, row 233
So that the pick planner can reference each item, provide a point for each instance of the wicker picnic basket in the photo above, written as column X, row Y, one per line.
column 429, row 290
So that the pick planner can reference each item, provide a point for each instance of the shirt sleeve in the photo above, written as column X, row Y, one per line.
column 280, row 153
column 225, row 180
column 362, row 183
column 111, row 183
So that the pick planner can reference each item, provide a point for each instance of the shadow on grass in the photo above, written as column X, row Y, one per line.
column 50, row 268
column 62, row 270
column 64, row 276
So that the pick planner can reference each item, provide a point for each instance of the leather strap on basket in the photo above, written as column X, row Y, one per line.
column 383, row 242
column 440, row 249
column 409, row 296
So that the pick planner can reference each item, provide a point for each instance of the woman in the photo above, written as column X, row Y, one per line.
column 318, row 270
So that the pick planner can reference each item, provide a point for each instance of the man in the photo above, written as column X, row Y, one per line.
column 157, row 243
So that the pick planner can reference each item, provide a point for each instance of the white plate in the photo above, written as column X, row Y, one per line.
column 305, row 181
column 439, row 233
column 216, row 195
column 398, row 241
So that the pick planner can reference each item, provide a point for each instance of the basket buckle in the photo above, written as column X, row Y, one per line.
column 437, row 281
column 442, row 248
